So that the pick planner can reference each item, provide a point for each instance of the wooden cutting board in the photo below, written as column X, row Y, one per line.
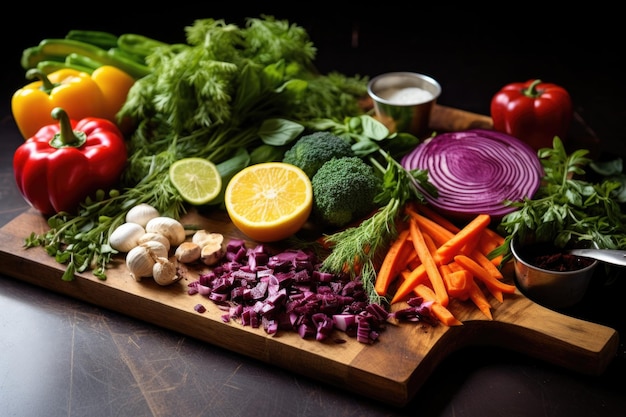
column 392, row 370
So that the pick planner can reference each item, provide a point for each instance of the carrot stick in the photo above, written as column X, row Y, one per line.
column 457, row 282
column 455, row 267
column 472, row 230
column 478, row 298
column 480, row 273
column 483, row 261
column 439, row 233
column 445, row 269
column 411, row 279
column 426, row 256
column 405, row 274
column 489, row 239
column 444, row 315
column 486, row 244
column 451, row 243
column 394, row 261
column 430, row 243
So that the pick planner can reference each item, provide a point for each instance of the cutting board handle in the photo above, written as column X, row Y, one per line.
column 537, row 331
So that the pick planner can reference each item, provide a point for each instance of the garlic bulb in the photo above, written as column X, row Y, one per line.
column 141, row 214
column 164, row 272
column 152, row 236
column 171, row 228
column 126, row 236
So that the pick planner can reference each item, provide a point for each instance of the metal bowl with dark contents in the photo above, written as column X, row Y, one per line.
column 552, row 276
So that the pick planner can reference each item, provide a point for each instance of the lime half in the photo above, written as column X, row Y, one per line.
column 197, row 180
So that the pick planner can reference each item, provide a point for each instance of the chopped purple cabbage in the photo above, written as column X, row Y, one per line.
column 287, row 291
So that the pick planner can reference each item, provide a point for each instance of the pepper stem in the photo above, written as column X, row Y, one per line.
column 46, row 85
column 67, row 137
column 532, row 91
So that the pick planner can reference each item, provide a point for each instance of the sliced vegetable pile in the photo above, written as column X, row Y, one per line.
column 434, row 259
column 286, row 291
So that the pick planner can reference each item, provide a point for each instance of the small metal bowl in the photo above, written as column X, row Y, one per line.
column 404, row 100
column 551, row 288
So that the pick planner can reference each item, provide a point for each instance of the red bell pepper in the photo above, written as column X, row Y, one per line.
column 533, row 112
column 64, row 163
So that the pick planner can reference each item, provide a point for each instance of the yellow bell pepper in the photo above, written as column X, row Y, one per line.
column 80, row 94
column 114, row 85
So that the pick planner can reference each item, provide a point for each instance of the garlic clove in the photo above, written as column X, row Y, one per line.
column 164, row 272
column 126, row 236
column 204, row 237
column 188, row 252
column 155, row 249
column 168, row 227
column 212, row 253
column 157, row 237
column 141, row 214
column 140, row 262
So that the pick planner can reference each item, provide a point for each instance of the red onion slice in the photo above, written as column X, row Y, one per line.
column 476, row 171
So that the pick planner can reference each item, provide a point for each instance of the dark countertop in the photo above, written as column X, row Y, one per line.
column 63, row 357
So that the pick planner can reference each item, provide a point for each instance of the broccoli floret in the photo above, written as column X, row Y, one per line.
column 311, row 151
column 344, row 190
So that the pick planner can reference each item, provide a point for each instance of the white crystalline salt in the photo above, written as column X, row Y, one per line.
column 406, row 95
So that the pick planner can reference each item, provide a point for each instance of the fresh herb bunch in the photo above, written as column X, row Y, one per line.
column 228, row 90
column 358, row 249
column 567, row 207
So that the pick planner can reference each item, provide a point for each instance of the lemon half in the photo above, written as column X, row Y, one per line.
column 269, row 201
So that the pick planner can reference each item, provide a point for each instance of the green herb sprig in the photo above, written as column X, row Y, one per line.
column 567, row 207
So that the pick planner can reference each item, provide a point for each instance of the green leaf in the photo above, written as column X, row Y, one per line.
column 365, row 147
column 373, row 129
column 68, row 275
column 620, row 191
column 279, row 132
column 294, row 86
